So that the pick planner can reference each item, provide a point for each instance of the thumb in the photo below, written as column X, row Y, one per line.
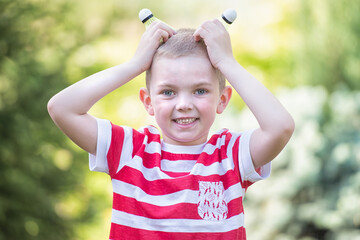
column 198, row 34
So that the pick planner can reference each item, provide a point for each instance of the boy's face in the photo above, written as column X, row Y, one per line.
column 184, row 97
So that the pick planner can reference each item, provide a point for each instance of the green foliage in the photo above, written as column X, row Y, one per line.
column 330, row 52
column 315, row 185
column 38, row 169
column 314, row 191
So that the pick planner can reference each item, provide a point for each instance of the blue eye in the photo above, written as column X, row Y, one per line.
column 168, row 92
column 201, row 91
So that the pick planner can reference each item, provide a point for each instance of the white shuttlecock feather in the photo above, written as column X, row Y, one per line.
column 229, row 16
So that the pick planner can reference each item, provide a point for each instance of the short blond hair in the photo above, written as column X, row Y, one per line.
column 183, row 44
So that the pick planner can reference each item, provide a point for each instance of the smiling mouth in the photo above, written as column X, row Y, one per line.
column 185, row 121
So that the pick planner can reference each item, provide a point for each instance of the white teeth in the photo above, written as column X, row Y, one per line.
column 185, row 120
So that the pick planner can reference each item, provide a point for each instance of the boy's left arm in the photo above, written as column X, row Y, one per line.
column 276, row 124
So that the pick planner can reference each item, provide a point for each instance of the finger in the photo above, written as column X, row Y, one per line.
column 161, row 34
column 196, row 35
column 213, row 25
column 165, row 36
column 170, row 29
column 216, row 22
column 200, row 33
column 161, row 25
column 219, row 24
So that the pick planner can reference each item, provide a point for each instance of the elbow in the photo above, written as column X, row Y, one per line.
column 287, row 128
column 291, row 125
column 52, row 108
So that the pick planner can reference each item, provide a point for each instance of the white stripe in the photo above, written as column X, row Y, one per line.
column 218, row 168
column 197, row 149
column 246, row 164
column 98, row 162
column 210, row 149
column 149, row 174
column 183, row 196
column 153, row 130
column 178, row 165
column 177, row 225
column 127, row 149
column 179, row 149
column 153, row 147
column 150, row 128
column 233, row 192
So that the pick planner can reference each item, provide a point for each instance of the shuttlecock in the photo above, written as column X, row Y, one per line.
column 147, row 17
column 229, row 16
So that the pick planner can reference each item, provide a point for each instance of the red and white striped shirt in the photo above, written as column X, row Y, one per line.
column 163, row 191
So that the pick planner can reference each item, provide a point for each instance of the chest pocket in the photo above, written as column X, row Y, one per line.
column 211, row 204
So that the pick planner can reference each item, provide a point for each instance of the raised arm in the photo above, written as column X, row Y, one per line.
column 275, row 123
column 69, row 108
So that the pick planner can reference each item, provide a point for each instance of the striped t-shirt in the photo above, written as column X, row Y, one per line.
column 163, row 191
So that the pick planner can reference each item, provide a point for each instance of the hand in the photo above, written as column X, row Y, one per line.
column 149, row 42
column 217, row 41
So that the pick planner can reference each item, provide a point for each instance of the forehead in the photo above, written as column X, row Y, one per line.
column 181, row 70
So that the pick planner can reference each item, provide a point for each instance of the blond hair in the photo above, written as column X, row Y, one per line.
column 183, row 44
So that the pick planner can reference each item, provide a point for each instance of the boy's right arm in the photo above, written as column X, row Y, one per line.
column 69, row 108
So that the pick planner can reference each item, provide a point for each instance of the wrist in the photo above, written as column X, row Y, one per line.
column 136, row 66
column 227, row 65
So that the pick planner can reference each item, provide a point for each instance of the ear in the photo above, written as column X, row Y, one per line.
column 146, row 100
column 224, row 99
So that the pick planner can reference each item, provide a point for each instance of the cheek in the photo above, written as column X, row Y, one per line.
column 162, row 108
column 208, row 109
column 208, row 104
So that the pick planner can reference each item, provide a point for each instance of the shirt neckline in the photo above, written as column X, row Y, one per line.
column 182, row 149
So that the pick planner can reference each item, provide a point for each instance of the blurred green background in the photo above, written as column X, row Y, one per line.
column 306, row 52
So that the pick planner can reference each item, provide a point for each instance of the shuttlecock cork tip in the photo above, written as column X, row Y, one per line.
column 145, row 14
column 229, row 15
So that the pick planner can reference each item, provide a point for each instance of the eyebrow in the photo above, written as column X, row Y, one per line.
column 203, row 84
column 199, row 84
column 166, row 85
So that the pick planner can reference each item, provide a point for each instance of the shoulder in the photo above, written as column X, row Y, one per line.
column 230, row 140
column 223, row 136
column 150, row 132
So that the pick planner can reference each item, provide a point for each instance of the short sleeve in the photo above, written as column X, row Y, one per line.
column 247, row 170
column 98, row 162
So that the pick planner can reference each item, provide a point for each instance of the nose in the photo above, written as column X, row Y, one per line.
column 184, row 103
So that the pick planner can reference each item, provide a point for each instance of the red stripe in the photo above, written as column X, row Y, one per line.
column 167, row 186
column 217, row 156
column 244, row 184
column 150, row 160
column 151, row 136
column 137, row 141
column 174, row 156
column 177, row 211
column 235, row 155
column 214, row 138
column 247, row 184
column 119, row 232
column 113, row 156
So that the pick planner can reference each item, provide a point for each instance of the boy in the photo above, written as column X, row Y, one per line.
column 185, row 185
